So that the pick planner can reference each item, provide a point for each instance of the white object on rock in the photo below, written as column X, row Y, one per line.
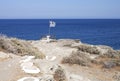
column 28, row 79
column 27, row 59
column 27, row 64
column 50, row 58
column 48, row 38
column 32, row 69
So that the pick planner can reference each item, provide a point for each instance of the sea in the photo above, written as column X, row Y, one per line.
column 91, row 31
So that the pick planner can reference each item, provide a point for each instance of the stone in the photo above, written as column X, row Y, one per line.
column 27, row 59
column 31, row 70
column 74, row 77
column 50, row 58
column 27, row 64
column 48, row 78
column 28, row 79
column 3, row 55
column 109, row 64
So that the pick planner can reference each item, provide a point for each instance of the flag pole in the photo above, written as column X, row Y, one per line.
column 49, row 30
column 51, row 24
column 48, row 36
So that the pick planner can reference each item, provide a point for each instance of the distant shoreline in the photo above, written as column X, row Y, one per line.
column 91, row 31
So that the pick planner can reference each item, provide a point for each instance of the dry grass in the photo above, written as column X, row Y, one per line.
column 60, row 74
column 19, row 47
column 78, row 57
column 110, row 58
column 88, row 49
column 112, row 54
column 108, row 61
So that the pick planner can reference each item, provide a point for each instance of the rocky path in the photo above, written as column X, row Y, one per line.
column 27, row 68
column 54, row 54
column 9, row 67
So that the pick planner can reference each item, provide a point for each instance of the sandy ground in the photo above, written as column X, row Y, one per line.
column 10, row 69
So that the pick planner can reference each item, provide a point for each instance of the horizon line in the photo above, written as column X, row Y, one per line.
column 53, row 18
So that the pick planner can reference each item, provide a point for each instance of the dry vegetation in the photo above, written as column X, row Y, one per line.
column 59, row 74
column 109, row 59
column 19, row 47
column 88, row 49
column 78, row 57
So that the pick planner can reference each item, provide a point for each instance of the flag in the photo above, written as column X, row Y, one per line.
column 52, row 24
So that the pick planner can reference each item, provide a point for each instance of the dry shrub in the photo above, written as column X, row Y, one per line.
column 6, row 44
column 19, row 47
column 78, row 57
column 112, row 54
column 67, row 42
column 89, row 49
column 59, row 74
column 110, row 59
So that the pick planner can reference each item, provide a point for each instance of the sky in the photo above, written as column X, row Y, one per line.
column 59, row 9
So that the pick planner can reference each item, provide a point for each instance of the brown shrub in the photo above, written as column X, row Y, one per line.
column 78, row 57
column 19, row 47
column 112, row 54
column 6, row 44
column 59, row 74
column 88, row 49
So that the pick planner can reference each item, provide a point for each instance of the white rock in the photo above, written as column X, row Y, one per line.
column 50, row 58
column 76, row 44
column 3, row 55
column 27, row 59
column 31, row 70
column 94, row 56
column 74, row 77
column 28, row 79
column 27, row 64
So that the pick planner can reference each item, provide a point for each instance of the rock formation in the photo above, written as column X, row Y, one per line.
column 58, row 60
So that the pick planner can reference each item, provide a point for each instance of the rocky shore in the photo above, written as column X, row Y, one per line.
column 58, row 60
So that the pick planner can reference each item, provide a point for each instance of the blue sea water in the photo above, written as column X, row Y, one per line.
column 92, row 31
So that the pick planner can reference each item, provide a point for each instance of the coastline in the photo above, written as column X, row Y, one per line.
column 96, row 31
column 71, row 59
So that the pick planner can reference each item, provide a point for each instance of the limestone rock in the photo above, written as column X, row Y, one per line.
column 27, row 65
column 29, row 79
column 3, row 55
column 31, row 70
column 74, row 77
column 50, row 58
